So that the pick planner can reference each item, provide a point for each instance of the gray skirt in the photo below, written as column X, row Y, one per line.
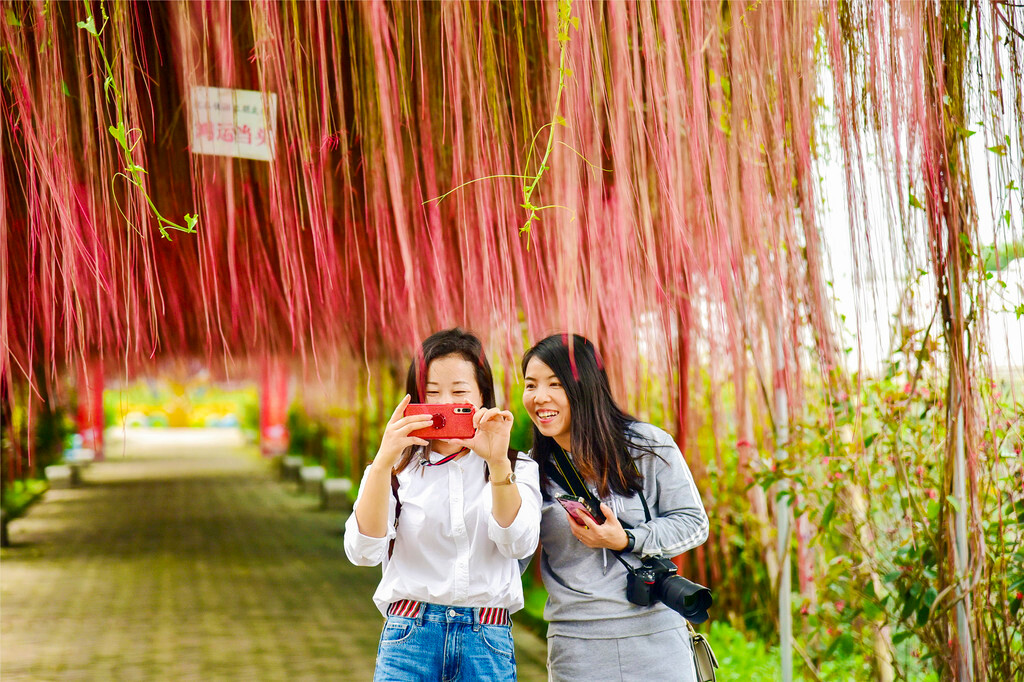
column 663, row 656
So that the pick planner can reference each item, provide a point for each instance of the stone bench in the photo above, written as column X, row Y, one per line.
column 334, row 494
column 311, row 478
column 79, row 458
column 63, row 475
column 290, row 465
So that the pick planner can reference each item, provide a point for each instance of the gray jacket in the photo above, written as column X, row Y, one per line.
column 587, row 587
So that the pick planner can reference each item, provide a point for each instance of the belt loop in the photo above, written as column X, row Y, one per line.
column 421, row 613
column 476, row 619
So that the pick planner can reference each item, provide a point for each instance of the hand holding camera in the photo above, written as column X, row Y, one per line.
column 493, row 432
column 399, row 434
column 485, row 431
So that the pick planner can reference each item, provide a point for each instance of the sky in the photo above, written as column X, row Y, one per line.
column 869, row 296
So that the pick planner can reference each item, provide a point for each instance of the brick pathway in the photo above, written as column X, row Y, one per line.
column 189, row 562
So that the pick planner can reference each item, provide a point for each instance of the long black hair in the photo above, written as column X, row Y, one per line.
column 441, row 344
column 599, row 429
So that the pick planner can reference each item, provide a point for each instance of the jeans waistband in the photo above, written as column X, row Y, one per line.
column 486, row 615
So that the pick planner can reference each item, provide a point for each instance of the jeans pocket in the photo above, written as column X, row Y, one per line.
column 395, row 632
column 498, row 639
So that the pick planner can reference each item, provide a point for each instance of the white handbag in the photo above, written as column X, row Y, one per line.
column 703, row 657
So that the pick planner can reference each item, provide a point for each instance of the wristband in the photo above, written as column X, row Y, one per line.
column 630, row 542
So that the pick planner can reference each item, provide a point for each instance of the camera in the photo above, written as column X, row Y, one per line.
column 656, row 580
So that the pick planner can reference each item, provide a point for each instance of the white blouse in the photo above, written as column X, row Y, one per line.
column 449, row 549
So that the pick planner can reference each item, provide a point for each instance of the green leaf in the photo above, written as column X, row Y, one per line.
column 89, row 25
column 12, row 18
column 999, row 149
column 902, row 636
column 915, row 203
column 575, row 21
column 844, row 645
column 965, row 132
column 997, row 259
column 869, row 439
column 560, row 120
column 64, row 89
column 928, row 598
column 953, row 502
column 826, row 516
column 1019, row 311
column 119, row 134
column 191, row 221
column 108, row 83
column 910, row 602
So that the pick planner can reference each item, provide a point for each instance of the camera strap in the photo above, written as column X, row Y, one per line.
column 425, row 461
column 562, row 471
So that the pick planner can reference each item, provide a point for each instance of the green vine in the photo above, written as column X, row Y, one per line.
column 132, row 171
column 530, row 182
column 565, row 19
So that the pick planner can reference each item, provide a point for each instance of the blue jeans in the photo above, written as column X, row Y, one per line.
column 444, row 644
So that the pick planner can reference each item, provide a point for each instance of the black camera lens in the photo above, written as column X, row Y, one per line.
column 686, row 598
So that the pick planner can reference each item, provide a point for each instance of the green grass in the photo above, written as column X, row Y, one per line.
column 740, row 657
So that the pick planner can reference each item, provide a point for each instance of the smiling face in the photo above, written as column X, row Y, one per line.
column 547, row 403
column 452, row 379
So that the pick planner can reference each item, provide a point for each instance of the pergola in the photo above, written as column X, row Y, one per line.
column 321, row 184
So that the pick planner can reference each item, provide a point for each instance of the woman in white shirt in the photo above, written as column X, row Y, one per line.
column 449, row 520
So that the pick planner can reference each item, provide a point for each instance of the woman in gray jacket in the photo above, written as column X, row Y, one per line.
column 594, row 631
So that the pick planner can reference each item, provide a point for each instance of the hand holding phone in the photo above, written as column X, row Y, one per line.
column 449, row 420
column 581, row 510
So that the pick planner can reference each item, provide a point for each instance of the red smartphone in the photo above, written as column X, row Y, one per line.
column 580, row 509
column 454, row 420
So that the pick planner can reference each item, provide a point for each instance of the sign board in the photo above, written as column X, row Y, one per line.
column 228, row 122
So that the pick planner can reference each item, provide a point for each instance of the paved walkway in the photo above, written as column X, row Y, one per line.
column 187, row 561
